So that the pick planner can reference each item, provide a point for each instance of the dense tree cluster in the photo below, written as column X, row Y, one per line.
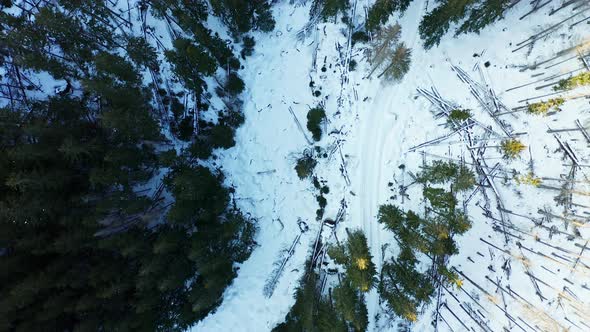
column 357, row 260
column 329, row 8
column 379, row 13
column 311, row 312
column 404, row 285
column 469, row 15
column 243, row 16
column 90, row 238
column 344, row 308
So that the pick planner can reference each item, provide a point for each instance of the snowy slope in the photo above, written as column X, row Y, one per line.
column 373, row 125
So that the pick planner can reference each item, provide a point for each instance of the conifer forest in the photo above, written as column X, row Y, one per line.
column 294, row 165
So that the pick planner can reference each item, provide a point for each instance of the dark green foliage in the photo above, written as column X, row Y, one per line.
column 482, row 14
column 305, row 165
column 359, row 37
column 201, row 148
column 142, row 53
column 212, row 136
column 311, row 312
column 185, row 129
column 248, row 44
column 234, row 84
column 232, row 118
column 474, row 15
column 459, row 115
column 243, row 16
column 331, row 8
column 315, row 117
column 349, row 303
column 381, row 10
column 191, row 63
column 194, row 188
column 403, row 285
column 355, row 256
column 322, row 201
column 80, row 249
column 304, row 312
column 55, row 272
column 222, row 236
column 360, row 278
column 446, row 171
column 222, row 136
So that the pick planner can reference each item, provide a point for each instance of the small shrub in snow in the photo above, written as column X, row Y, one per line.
column 573, row 82
column 512, row 148
column 459, row 115
column 542, row 108
column 305, row 166
column 529, row 179
column 315, row 117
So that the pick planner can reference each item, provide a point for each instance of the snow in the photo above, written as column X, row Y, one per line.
column 371, row 128
column 373, row 125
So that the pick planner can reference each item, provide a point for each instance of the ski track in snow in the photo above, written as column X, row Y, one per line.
column 377, row 145
column 377, row 131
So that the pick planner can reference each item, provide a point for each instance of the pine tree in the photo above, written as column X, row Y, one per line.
column 380, row 11
column 403, row 285
column 435, row 24
column 80, row 248
column 399, row 63
column 382, row 45
column 355, row 256
column 350, row 305
column 190, row 63
column 331, row 8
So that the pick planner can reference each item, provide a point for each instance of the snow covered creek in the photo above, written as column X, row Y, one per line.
column 523, row 263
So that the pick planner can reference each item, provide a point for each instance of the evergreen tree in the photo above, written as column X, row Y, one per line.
column 388, row 54
column 474, row 15
column 243, row 16
column 383, row 44
column 355, row 256
column 191, row 63
column 331, row 8
column 80, row 247
column 403, row 285
column 350, row 305
column 380, row 11
column 399, row 63
column 315, row 118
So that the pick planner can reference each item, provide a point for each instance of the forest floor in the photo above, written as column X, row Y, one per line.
column 524, row 264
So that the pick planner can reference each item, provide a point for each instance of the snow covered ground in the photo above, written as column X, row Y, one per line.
column 537, row 286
